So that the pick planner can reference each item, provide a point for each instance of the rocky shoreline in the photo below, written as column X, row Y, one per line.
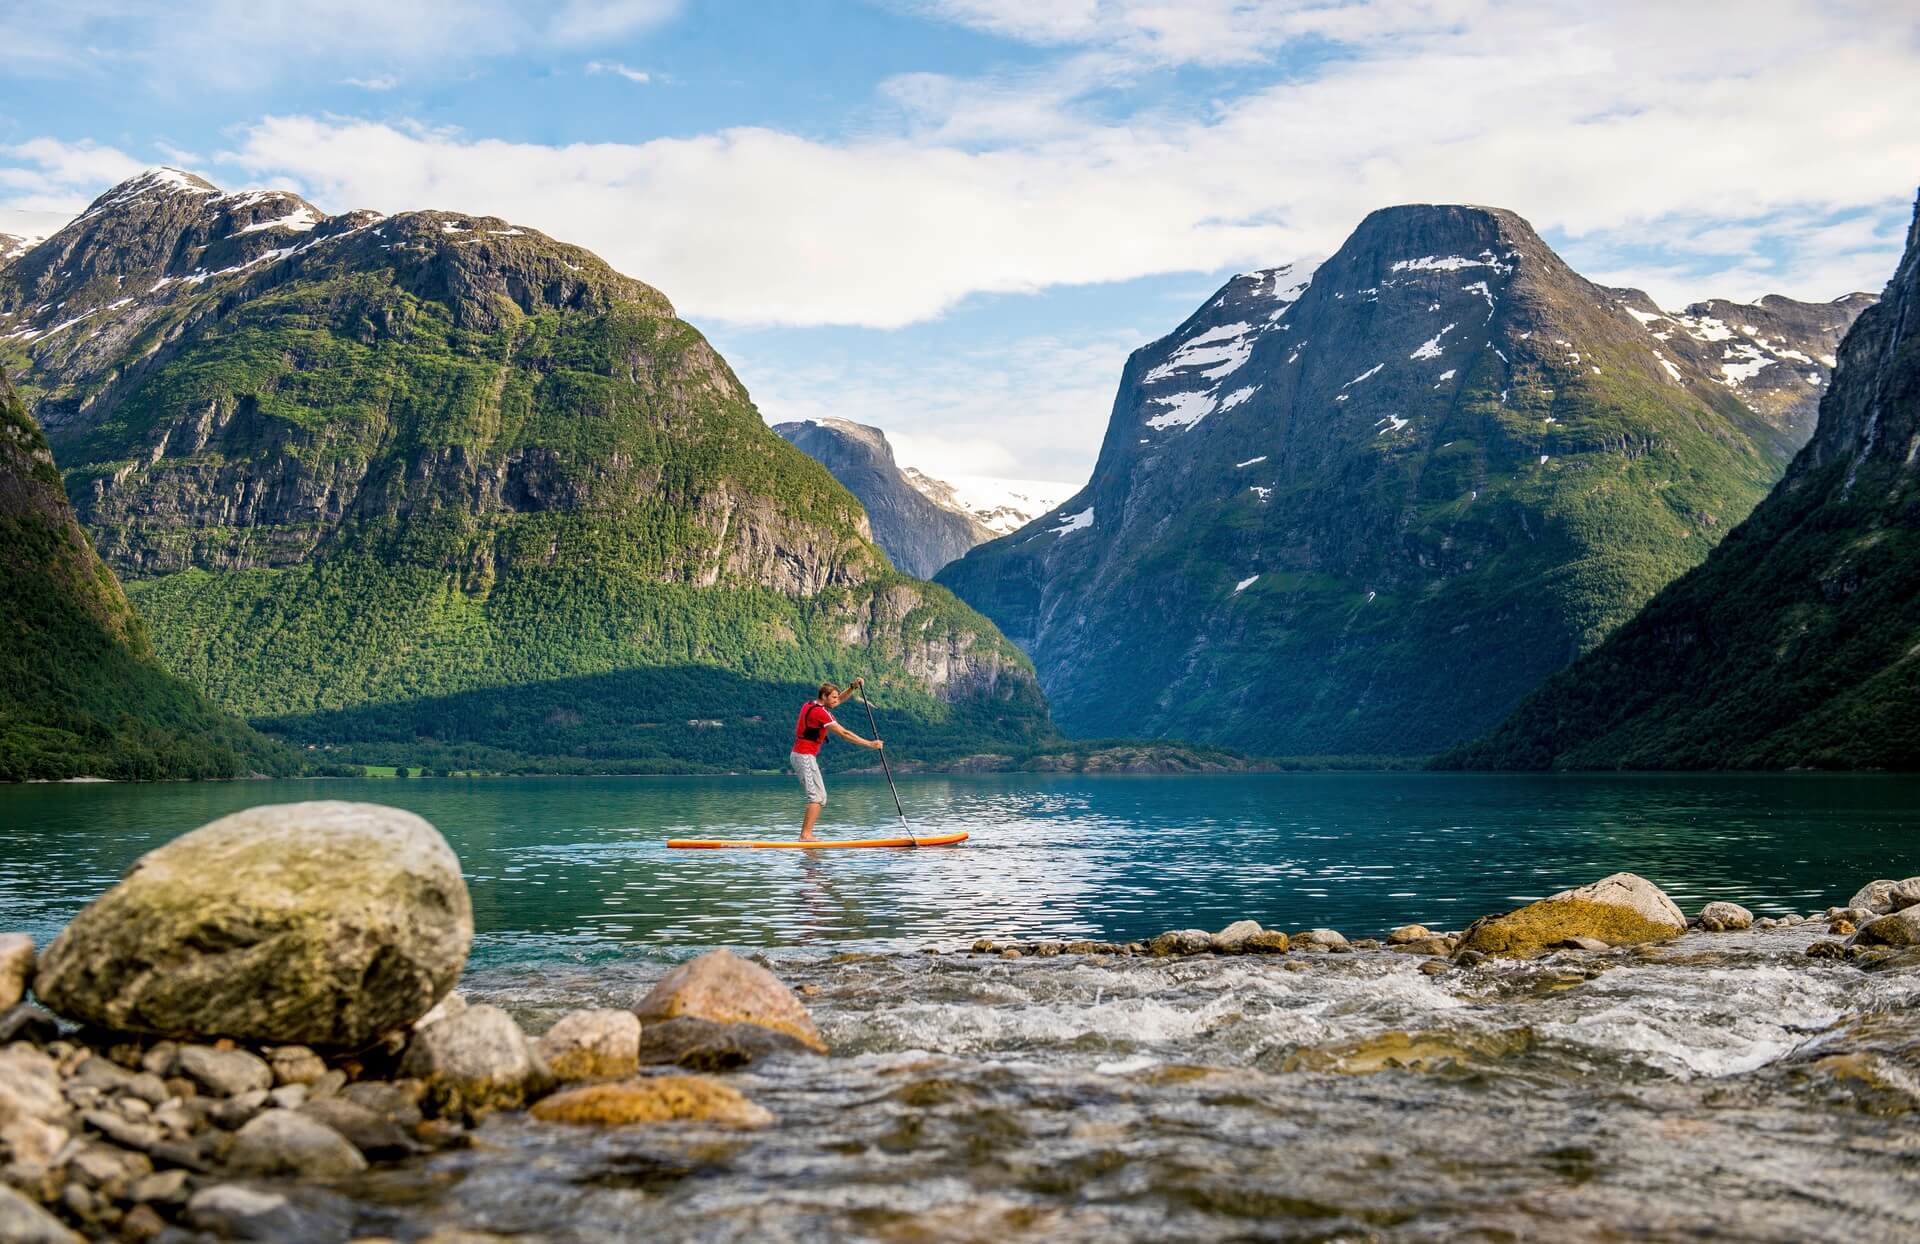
column 261, row 1013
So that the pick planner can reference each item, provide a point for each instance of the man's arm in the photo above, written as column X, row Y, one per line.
column 851, row 737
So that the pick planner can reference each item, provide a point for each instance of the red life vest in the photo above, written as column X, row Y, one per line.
column 810, row 728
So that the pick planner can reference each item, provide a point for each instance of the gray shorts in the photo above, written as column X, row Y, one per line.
column 807, row 769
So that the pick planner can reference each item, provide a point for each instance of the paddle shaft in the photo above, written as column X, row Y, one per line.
column 888, row 768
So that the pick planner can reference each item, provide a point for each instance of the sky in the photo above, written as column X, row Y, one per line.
column 954, row 219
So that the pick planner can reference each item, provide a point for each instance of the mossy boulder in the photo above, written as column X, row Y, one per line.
column 1902, row 928
column 1621, row 910
column 321, row 924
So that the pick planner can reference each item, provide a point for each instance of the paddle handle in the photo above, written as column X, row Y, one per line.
column 887, row 767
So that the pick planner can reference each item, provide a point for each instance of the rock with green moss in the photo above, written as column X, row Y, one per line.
column 1902, row 928
column 321, row 924
column 1620, row 910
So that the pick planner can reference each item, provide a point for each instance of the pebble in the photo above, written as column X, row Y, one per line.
column 223, row 1073
column 285, row 1142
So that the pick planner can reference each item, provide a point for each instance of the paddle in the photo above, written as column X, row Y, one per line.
column 875, row 727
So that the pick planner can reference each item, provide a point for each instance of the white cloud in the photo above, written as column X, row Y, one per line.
column 54, row 177
column 380, row 82
column 615, row 67
column 1592, row 122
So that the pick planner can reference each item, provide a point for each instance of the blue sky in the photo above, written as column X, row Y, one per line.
column 954, row 218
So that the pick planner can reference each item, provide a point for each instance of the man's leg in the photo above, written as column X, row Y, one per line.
column 806, row 827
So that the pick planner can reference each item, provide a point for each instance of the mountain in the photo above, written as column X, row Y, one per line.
column 1002, row 506
column 919, row 534
column 80, row 691
column 1797, row 642
column 433, row 487
column 1364, row 510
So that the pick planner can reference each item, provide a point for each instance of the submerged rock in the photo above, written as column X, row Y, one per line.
column 660, row 1099
column 1623, row 909
column 722, row 987
column 592, row 1045
column 16, row 967
column 702, row 1045
column 1901, row 928
column 1725, row 918
column 475, row 1062
column 319, row 923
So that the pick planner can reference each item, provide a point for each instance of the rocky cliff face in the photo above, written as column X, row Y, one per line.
column 80, row 691
column 1365, row 509
column 354, row 460
column 919, row 534
column 1797, row 643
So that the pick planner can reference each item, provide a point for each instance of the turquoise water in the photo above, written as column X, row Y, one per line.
column 576, row 867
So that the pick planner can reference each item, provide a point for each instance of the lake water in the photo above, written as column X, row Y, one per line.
column 1722, row 1086
column 577, row 867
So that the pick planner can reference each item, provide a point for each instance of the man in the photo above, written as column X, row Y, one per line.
column 809, row 732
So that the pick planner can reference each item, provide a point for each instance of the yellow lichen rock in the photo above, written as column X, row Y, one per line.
column 723, row 987
column 1620, row 910
column 658, row 1099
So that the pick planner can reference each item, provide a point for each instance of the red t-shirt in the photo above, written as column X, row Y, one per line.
column 815, row 717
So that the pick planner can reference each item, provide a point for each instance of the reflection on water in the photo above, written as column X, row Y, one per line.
column 576, row 866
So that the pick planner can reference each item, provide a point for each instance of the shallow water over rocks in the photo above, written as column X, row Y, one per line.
column 1720, row 1086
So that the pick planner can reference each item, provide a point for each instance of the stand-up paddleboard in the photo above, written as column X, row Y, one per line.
column 823, row 844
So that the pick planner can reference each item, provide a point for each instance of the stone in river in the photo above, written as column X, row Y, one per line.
column 1267, row 942
column 1725, row 917
column 23, row 1222
column 238, row 1211
column 1425, row 946
column 373, row 1134
column 223, row 1073
column 1623, row 909
column 1901, row 928
column 476, row 1061
column 30, row 1086
column 1233, row 939
column 1320, row 939
column 1182, row 942
column 295, row 1064
column 16, row 967
column 727, row 989
column 286, row 1142
column 659, row 1099
column 702, row 1045
column 320, row 923
column 1409, row 933
column 592, row 1045
column 1884, row 896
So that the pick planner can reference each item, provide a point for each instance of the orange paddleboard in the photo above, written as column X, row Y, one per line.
column 715, row 844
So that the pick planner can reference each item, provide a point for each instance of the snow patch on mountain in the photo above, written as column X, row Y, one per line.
column 1002, row 506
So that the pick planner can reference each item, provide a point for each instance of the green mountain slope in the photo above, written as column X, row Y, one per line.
column 371, row 479
column 1797, row 643
column 80, row 691
column 1367, row 511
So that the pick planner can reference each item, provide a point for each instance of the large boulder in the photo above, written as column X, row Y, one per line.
column 1620, row 910
column 592, row 1045
column 474, row 1062
column 723, row 987
column 16, row 967
column 312, row 923
column 1901, row 928
column 660, row 1099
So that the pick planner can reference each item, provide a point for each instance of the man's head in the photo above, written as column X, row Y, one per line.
column 829, row 694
